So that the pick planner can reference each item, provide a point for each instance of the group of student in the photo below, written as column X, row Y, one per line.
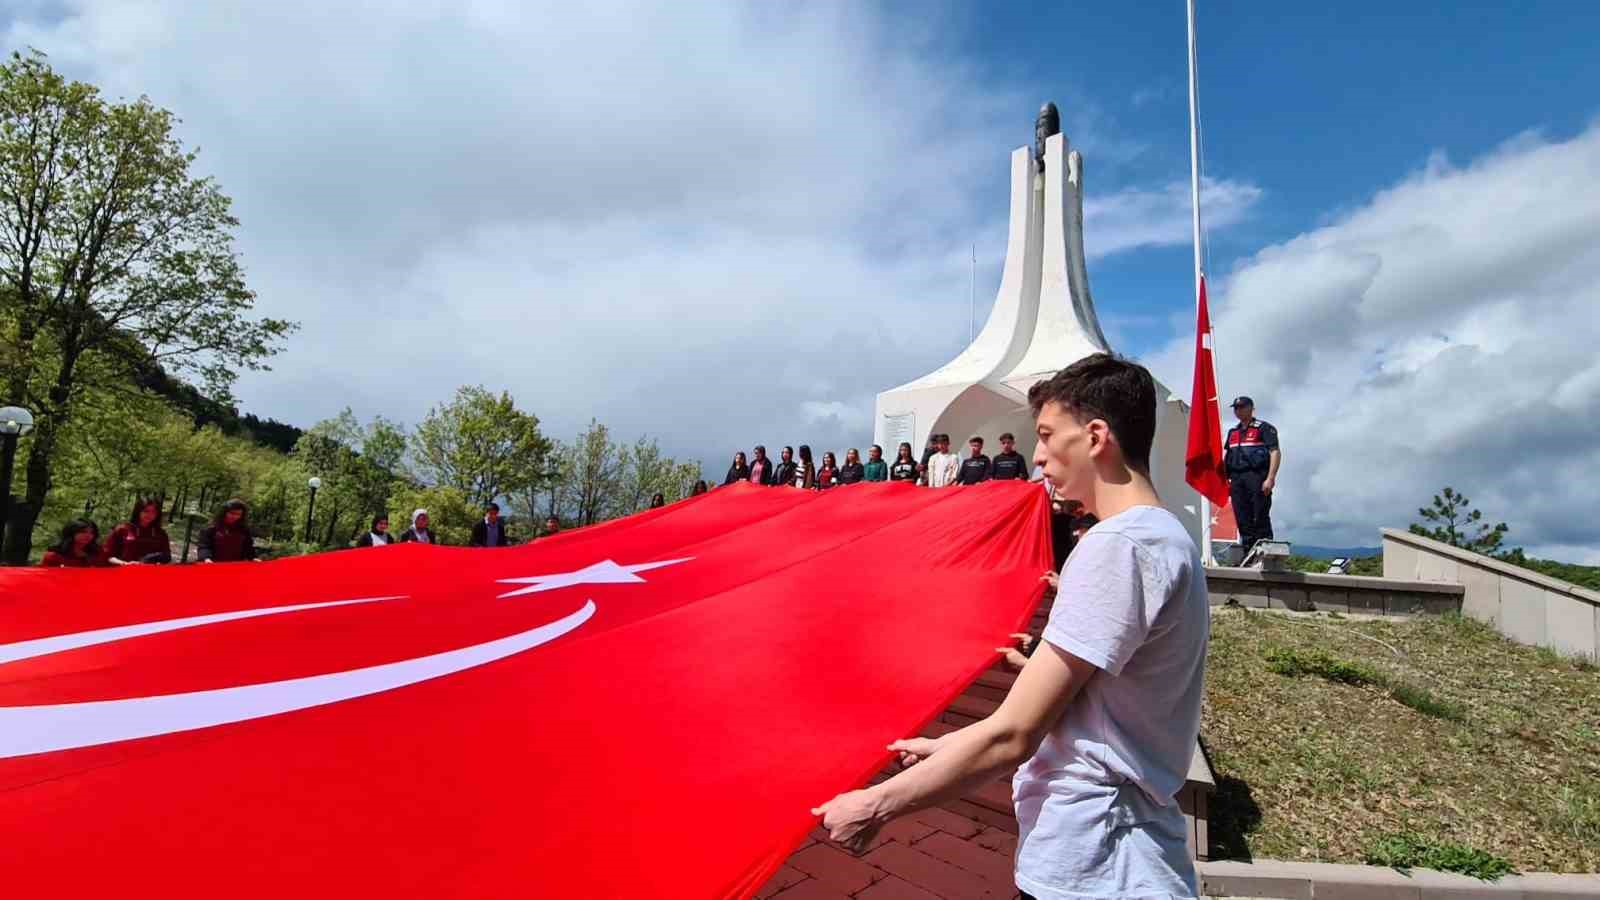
column 938, row 467
column 227, row 538
column 142, row 541
column 488, row 531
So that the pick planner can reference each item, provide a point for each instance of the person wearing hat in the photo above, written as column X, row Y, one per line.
column 1250, row 463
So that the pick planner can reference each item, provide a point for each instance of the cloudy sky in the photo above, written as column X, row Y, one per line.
column 724, row 224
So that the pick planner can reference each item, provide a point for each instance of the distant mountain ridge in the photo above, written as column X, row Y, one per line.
column 1335, row 552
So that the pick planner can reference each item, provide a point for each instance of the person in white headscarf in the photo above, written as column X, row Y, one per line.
column 418, row 531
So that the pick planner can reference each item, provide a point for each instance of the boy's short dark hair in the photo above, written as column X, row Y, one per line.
column 1008, row 436
column 975, row 440
column 492, row 507
column 1108, row 387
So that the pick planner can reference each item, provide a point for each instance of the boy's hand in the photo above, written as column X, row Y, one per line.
column 914, row 750
column 851, row 819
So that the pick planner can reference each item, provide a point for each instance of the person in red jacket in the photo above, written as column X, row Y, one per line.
column 78, row 547
column 141, row 539
column 228, row 537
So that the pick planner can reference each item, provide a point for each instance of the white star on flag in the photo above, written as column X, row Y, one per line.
column 603, row 572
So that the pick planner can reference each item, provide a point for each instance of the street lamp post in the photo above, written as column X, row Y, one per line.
column 313, row 483
column 14, row 423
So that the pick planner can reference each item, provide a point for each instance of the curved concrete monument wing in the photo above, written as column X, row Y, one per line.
column 1042, row 321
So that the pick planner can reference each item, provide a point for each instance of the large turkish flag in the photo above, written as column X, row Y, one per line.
column 644, row 708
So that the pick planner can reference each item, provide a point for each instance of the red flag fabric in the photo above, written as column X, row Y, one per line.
column 1203, row 458
column 645, row 708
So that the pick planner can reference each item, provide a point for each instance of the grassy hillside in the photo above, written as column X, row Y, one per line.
column 1337, row 740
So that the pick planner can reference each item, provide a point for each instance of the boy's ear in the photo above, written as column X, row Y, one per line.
column 1099, row 436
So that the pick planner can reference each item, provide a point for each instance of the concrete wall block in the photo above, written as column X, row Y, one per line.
column 1450, row 886
column 1247, row 594
column 1265, row 879
column 1348, row 882
column 1327, row 600
column 1438, row 567
column 1441, row 604
column 1404, row 603
column 1482, row 598
column 1570, row 624
column 1367, row 602
column 1400, row 560
column 1522, row 612
column 1547, row 886
column 1293, row 598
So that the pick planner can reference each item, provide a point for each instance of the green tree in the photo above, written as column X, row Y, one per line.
column 482, row 445
column 1452, row 520
column 598, row 470
column 115, row 262
column 450, row 514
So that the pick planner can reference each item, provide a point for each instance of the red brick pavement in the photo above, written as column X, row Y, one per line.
column 960, row 850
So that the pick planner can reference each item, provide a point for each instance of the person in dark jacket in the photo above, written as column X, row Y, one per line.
column 228, row 537
column 700, row 487
column 658, row 501
column 78, row 548
column 806, row 476
column 739, row 471
column 788, row 471
column 141, row 539
column 378, row 535
column 489, row 531
column 419, row 532
column 762, row 471
column 975, row 467
column 904, row 467
column 1008, row 464
column 852, row 472
column 828, row 473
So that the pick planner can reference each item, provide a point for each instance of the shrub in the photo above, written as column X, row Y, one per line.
column 1405, row 851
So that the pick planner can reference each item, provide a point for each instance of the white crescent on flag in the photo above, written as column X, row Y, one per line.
column 64, row 726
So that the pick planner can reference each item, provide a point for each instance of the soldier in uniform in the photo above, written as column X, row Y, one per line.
column 1250, row 463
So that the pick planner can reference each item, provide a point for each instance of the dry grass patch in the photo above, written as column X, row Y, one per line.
column 1332, row 736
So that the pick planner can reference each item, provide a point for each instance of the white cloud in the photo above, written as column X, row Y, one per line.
column 1443, row 333
column 1134, row 217
column 715, row 223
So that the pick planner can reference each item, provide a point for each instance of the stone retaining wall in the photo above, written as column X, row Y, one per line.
column 1522, row 604
column 1347, row 594
column 1328, row 881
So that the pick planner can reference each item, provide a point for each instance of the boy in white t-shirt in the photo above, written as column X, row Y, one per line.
column 1102, row 722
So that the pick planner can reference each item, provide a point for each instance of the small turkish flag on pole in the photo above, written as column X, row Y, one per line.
column 1203, row 459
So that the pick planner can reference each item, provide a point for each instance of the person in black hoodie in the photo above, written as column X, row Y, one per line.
column 784, row 475
column 739, row 471
column 904, row 467
column 852, row 471
column 974, row 468
column 1008, row 463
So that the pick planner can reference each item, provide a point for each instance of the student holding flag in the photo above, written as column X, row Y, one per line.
column 1102, row 722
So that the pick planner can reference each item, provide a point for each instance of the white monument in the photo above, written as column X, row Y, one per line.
column 1043, row 320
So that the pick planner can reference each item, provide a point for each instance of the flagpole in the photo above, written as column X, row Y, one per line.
column 1199, row 272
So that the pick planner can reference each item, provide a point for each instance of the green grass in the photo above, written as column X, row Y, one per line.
column 1330, row 736
column 1406, row 851
column 1296, row 663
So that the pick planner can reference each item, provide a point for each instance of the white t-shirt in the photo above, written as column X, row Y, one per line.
column 1096, row 805
column 942, row 469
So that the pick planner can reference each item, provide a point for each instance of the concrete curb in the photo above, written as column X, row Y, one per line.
column 1329, row 881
